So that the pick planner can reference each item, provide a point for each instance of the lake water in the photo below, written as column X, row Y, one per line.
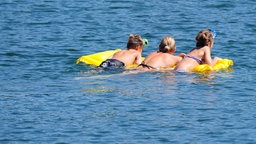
column 46, row 98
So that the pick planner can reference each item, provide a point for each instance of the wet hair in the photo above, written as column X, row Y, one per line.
column 134, row 40
column 203, row 38
column 166, row 44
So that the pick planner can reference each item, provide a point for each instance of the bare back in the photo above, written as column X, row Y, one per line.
column 161, row 60
column 128, row 57
column 188, row 63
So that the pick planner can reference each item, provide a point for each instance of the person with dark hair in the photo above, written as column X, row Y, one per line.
column 201, row 54
column 132, row 55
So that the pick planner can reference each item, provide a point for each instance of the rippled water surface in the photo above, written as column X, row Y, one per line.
column 46, row 98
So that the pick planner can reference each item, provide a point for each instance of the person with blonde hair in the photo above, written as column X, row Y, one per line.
column 163, row 58
column 132, row 55
column 201, row 54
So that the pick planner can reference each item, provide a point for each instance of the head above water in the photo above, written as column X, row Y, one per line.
column 167, row 44
column 135, row 41
column 205, row 37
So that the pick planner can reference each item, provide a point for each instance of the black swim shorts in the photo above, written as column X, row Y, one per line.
column 112, row 63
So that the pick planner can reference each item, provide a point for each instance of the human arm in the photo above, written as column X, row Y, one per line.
column 138, row 59
column 207, row 57
column 216, row 59
column 179, row 57
column 182, row 55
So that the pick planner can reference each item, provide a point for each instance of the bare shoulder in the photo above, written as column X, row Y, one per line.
column 133, row 51
column 153, row 54
column 206, row 48
column 178, row 58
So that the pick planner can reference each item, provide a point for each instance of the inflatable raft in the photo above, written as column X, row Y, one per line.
column 223, row 64
column 97, row 58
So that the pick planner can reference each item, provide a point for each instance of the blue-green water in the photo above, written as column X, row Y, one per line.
column 46, row 98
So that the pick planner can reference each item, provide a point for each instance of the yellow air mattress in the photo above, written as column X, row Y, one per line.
column 222, row 64
column 97, row 58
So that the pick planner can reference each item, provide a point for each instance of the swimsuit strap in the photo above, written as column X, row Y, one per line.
column 147, row 66
column 195, row 58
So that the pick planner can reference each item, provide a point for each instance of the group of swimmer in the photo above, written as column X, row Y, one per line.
column 163, row 57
